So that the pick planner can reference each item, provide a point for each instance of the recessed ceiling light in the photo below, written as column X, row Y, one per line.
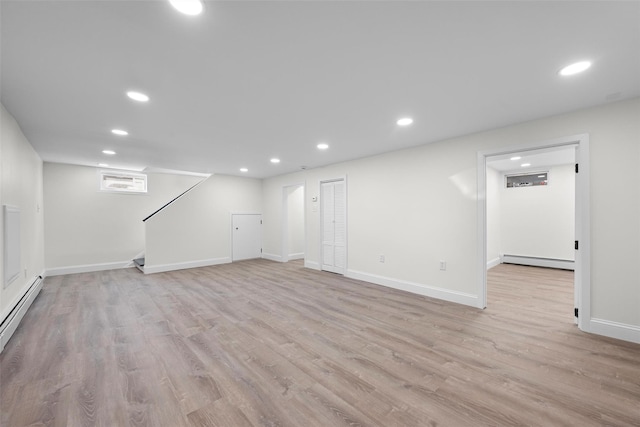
column 137, row 96
column 524, row 165
column 274, row 160
column 244, row 170
column 515, row 158
column 576, row 68
column 405, row 121
column 322, row 146
column 119, row 132
column 109, row 152
column 103, row 165
column 188, row 7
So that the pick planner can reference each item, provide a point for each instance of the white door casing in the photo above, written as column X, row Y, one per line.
column 582, row 278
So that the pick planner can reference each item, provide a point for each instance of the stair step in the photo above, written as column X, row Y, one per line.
column 139, row 263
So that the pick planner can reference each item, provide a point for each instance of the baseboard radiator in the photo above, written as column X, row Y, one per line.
column 12, row 320
column 563, row 264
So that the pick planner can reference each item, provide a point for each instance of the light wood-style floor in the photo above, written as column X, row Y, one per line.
column 259, row 343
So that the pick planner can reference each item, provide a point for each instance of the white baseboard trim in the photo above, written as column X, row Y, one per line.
column 88, row 268
column 13, row 315
column 299, row 255
column 539, row 262
column 492, row 263
column 272, row 257
column 150, row 269
column 617, row 330
column 416, row 288
column 311, row 264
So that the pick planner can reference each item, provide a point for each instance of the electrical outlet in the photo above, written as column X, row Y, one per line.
column 443, row 265
column 381, row 258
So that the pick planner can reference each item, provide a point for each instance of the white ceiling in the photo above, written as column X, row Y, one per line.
column 247, row 81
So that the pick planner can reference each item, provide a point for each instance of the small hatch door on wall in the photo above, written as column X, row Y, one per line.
column 247, row 236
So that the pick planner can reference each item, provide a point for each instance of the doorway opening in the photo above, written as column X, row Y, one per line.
column 562, row 244
column 293, row 223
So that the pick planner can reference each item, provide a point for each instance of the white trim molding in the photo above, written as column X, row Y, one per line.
column 88, row 268
column 492, row 263
column 617, row 330
column 415, row 288
column 151, row 269
column 272, row 257
column 311, row 264
column 299, row 255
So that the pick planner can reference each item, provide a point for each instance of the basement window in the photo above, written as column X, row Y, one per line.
column 123, row 182
column 526, row 180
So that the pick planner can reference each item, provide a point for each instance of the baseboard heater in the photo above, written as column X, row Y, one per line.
column 563, row 264
column 12, row 320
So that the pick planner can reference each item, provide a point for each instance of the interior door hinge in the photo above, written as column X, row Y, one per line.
column 577, row 168
column 575, row 312
column 575, row 244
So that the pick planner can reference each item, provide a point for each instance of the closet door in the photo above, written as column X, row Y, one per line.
column 334, row 226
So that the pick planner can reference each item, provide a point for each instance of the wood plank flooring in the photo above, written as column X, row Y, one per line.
column 259, row 343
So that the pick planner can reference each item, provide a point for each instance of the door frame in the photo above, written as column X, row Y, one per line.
column 231, row 231
column 285, row 219
column 582, row 278
column 342, row 178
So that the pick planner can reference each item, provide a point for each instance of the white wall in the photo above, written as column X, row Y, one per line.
column 20, row 186
column 196, row 229
column 539, row 221
column 412, row 207
column 90, row 229
column 418, row 206
column 494, row 235
column 295, row 221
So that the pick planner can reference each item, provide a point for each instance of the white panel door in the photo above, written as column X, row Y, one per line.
column 247, row 236
column 334, row 226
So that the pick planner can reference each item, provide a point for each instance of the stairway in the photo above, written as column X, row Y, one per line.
column 139, row 263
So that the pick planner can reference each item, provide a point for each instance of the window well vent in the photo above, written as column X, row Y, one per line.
column 123, row 182
column 526, row 180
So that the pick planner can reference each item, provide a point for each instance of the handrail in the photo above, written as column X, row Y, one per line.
column 175, row 198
